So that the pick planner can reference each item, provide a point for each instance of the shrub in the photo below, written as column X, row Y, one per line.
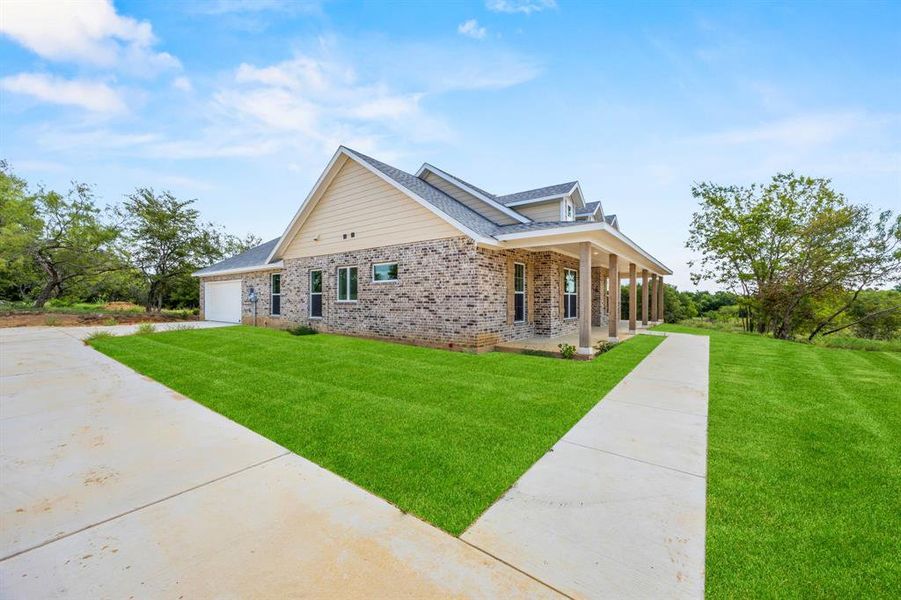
column 97, row 335
column 301, row 330
column 51, row 321
column 567, row 350
column 110, row 321
column 145, row 328
column 603, row 346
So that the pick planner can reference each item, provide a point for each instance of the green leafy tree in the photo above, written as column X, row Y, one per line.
column 20, row 227
column 165, row 241
column 787, row 245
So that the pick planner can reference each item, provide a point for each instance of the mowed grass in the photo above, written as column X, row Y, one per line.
column 804, row 470
column 440, row 434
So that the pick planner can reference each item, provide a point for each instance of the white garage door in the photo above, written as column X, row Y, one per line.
column 222, row 301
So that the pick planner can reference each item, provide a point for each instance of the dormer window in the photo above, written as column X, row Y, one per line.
column 569, row 210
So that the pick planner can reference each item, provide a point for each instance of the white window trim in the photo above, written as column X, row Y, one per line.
column 381, row 264
column 310, row 292
column 525, row 307
column 273, row 294
column 338, row 284
column 565, row 294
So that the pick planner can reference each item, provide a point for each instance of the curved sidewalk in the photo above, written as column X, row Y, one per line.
column 617, row 507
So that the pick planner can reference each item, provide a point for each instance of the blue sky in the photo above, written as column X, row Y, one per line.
column 241, row 104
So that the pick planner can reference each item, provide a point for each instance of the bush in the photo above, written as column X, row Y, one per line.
column 301, row 330
column 145, row 328
column 111, row 321
column 604, row 346
column 567, row 350
column 51, row 321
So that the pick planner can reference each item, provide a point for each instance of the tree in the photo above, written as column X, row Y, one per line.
column 50, row 241
column 165, row 241
column 20, row 227
column 788, row 245
column 875, row 314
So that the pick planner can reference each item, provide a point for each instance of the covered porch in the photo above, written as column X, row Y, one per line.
column 550, row 344
column 605, row 258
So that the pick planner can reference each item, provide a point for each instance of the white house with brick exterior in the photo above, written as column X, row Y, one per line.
column 431, row 259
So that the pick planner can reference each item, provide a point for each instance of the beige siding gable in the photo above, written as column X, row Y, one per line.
column 369, row 212
column 542, row 212
column 473, row 202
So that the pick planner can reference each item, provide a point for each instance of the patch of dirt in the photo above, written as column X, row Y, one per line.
column 39, row 319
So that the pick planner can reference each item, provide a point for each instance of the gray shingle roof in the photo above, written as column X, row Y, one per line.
column 589, row 209
column 463, row 181
column 255, row 257
column 552, row 190
column 456, row 210
column 518, row 227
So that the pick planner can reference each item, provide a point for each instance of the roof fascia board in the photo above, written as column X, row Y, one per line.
column 267, row 267
column 588, row 227
column 454, row 181
column 324, row 179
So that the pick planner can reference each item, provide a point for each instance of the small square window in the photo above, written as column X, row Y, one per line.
column 384, row 272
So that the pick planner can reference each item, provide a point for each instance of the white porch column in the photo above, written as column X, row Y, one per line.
column 585, row 299
column 654, row 297
column 613, row 299
column 644, row 297
column 633, row 298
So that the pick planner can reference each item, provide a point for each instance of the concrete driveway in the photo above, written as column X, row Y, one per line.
column 115, row 486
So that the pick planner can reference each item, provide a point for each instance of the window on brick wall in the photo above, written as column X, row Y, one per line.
column 384, row 272
column 316, row 294
column 570, row 294
column 275, row 287
column 519, row 292
column 347, row 284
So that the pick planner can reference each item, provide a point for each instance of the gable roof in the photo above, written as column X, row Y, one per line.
column 543, row 193
column 470, row 222
column 612, row 221
column 458, row 211
column 486, row 197
column 589, row 209
column 255, row 258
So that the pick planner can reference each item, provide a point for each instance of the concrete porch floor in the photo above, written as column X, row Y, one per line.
column 549, row 344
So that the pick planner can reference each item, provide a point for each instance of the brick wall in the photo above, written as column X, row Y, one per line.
column 449, row 293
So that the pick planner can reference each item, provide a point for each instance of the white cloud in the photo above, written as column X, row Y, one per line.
column 526, row 7
column 471, row 29
column 91, row 95
column 322, row 99
column 221, row 7
column 84, row 32
column 804, row 130
column 182, row 83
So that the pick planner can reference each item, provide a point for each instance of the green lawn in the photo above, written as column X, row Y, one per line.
column 440, row 434
column 804, row 470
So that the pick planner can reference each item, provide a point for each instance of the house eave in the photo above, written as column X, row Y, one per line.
column 267, row 267
column 586, row 230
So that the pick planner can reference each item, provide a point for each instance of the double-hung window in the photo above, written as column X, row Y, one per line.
column 347, row 284
column 519, row 292
column 384, row 272
column 275, row 288
column 316, row 294
column 570, row 294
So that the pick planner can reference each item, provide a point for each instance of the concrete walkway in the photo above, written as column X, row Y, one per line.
column 112, row 485
column 616, row 509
